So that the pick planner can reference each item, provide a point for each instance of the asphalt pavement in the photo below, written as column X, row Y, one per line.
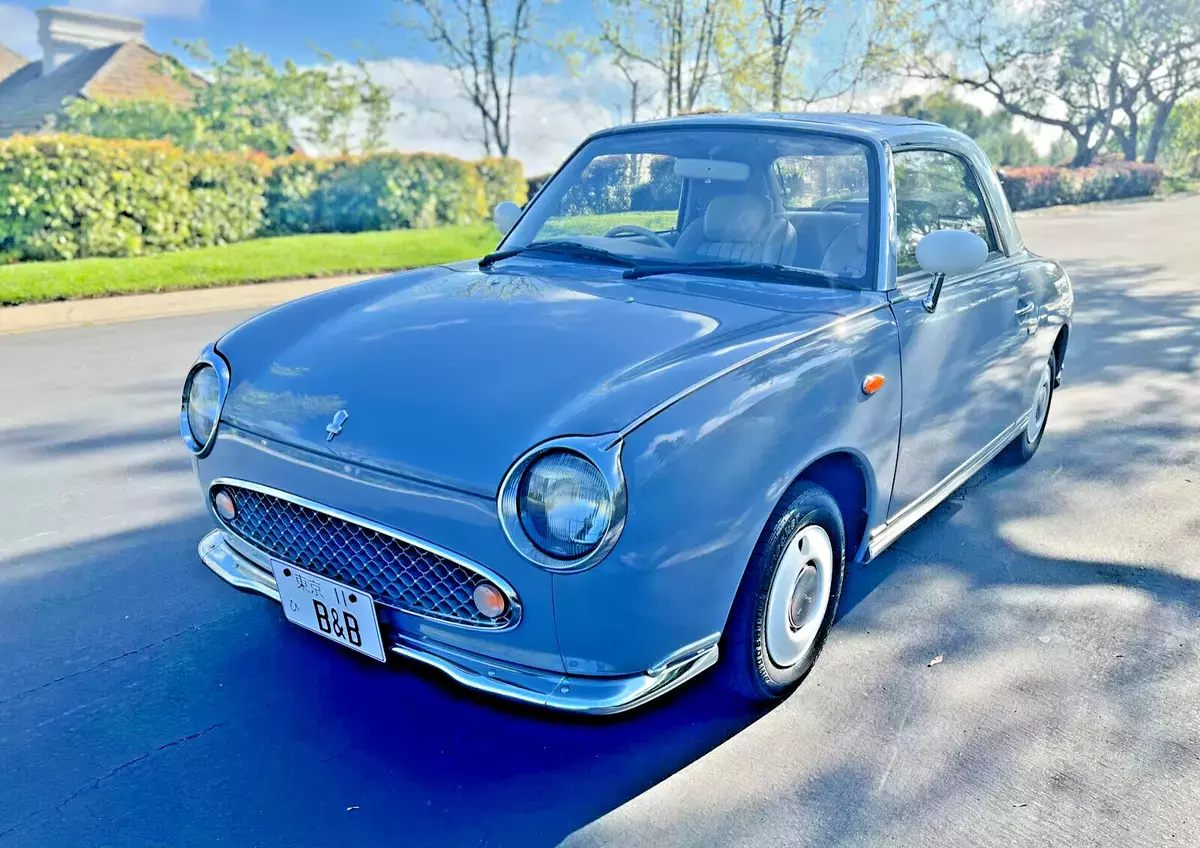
column 142, row 702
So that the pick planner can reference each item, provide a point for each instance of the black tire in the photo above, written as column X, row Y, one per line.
column 748, row 668
column 1021, row 449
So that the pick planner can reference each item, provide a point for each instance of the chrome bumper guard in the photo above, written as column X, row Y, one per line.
column 589, row 695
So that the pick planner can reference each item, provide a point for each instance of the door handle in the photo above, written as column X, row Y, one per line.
column 1024, row 307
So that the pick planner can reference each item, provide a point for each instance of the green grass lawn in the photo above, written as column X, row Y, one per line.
column 598, row 225
column 248, row 262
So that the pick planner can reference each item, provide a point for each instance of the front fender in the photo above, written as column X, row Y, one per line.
column 703, row 477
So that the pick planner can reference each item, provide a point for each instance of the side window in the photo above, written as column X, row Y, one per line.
column 810, row 182
column 935, row 191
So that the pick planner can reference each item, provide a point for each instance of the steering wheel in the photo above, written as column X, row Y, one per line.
column 635, row 230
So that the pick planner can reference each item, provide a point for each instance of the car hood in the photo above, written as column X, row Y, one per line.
column 449, row 374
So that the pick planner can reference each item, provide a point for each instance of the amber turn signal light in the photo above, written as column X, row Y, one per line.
column 489, row 600
column 225, row 506
column 873, row 383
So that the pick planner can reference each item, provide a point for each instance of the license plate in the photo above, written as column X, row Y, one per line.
column 329, row 609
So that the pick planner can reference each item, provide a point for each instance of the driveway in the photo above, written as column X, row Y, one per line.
column 144, row 703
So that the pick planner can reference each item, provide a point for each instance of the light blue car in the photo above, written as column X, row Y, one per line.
column 713, row 360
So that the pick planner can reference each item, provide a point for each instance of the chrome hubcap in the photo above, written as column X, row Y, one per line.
column 1041, row 405
column 799, row 596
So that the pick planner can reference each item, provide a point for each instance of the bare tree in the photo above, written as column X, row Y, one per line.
column 776, row 54
column 482, row 42
column 784, row 21
column 677, row 39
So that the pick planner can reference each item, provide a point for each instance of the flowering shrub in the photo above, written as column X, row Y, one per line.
column 1038, row 186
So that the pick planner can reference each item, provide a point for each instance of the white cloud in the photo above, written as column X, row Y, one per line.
column 144, row 8
column 18, row 30
column 551, row 114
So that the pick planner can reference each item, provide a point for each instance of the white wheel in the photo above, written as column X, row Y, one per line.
column 1041, row 404
column 788, row 597
column 799, row 596
column 1025, row 445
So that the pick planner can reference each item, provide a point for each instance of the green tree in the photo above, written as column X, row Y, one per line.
column 1182, row 140
column 243, row 102
column 1092, row 68
column 994, row 132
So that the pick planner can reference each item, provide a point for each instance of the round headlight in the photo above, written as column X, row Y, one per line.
column 203, row 403
column 564, row 504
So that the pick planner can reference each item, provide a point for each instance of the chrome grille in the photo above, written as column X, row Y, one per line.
column 395, row 572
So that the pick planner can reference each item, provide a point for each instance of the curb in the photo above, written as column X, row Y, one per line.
column 30, row 318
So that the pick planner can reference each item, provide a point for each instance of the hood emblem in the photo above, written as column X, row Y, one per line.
column 334, row 427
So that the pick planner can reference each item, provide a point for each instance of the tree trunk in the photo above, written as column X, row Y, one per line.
column 777, row 70
column 1158, row 129
column 1128, row 138
column 1083, row 152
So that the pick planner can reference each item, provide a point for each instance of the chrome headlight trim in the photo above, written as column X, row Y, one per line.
column 601, row 452
column 208, row 358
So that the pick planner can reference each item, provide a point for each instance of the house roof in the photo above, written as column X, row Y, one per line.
column 28, row 99
column 10, row 62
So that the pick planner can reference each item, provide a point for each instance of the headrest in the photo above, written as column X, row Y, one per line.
column 737, row 217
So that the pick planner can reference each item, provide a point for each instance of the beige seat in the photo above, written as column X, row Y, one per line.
column 741, row 228
column 846, row 255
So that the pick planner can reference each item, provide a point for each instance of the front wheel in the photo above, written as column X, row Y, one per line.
column 1024, row 446
column 788, row 598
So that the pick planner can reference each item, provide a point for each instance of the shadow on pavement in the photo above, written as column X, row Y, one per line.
column 172, row 710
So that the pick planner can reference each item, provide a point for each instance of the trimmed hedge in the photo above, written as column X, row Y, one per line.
column 395, row 191
column 66, row 197
column 381, row 191
column 294, row 193
column 69, row 197
column 1035, row 187
column 503, row 179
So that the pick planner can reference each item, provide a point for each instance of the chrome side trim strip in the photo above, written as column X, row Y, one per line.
column 885, row 534
column 458, row 559
column 585, row 695
column 729, row 369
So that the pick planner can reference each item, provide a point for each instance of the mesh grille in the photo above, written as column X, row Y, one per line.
column 394, row 572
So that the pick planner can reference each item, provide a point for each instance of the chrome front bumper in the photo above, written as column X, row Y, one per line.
column 590, row 695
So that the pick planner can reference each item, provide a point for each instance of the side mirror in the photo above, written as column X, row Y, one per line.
column 948, row 253
column 506, row 216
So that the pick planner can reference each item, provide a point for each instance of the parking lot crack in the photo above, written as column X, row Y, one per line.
column 111, row 773
column 109, row 661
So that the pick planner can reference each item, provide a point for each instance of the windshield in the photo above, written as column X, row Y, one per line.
column 782, row 198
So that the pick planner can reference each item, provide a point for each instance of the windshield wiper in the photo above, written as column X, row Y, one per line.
column 780, row 273
column 567, row 248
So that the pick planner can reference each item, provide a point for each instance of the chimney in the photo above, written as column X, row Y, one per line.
column 65, row 33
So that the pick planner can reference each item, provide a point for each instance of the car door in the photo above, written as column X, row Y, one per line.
column 962, row 377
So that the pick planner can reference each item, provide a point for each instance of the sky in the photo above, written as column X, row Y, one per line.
column 555, row 109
